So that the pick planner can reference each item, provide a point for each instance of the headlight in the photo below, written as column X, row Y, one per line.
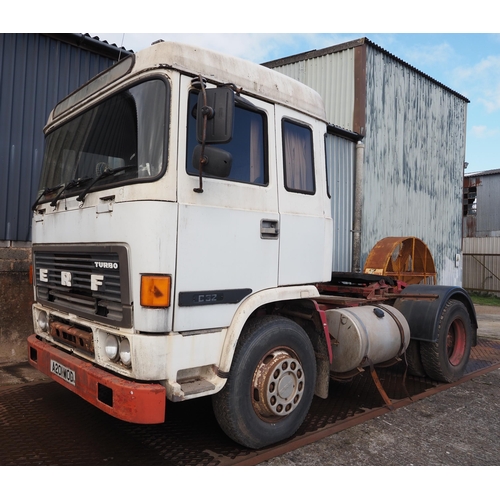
column 111, row 347
column 43, row 321
column 125, row 356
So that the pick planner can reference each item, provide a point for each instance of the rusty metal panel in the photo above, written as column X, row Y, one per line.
column 402, row 258
column 340, row 154
column 414, row 158
column 469, row 206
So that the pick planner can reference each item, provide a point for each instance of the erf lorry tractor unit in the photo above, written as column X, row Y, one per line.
column 182, row 247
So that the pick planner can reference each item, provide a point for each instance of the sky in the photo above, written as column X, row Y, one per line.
column 468, row 63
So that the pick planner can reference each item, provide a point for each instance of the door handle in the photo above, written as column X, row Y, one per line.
column 269, row 229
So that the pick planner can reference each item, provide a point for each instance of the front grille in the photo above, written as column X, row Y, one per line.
column 91, row 282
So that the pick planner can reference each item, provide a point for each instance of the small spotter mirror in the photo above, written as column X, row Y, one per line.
column 215, row 161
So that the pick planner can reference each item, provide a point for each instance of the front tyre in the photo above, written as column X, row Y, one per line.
column 447, row 359
column 271, row 383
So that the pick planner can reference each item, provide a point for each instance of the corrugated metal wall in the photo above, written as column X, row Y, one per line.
column 482, row 264
column 414, row 158
column 341, row 156
column 332, row 76
column 36, row 71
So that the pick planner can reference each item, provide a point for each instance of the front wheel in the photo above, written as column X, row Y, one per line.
column 447, row 359
column 271, row 383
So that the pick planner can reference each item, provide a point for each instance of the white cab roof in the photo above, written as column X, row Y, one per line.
column 254, row 79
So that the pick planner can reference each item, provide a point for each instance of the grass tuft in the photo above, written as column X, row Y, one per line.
column 485, row 300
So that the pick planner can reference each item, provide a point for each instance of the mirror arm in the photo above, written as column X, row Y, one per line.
column 207, row 112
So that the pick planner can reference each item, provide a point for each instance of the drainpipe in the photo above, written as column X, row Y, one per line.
column 358, row 207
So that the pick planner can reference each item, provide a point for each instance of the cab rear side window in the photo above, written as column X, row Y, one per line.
column 298, row 158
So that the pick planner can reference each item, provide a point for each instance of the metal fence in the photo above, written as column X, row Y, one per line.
column 481, row 265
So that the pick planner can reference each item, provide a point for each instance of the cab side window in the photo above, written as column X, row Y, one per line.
column 248, row 146
column 298, row 158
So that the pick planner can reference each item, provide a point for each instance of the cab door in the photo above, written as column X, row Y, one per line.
column 228, row 235
column 306, row 233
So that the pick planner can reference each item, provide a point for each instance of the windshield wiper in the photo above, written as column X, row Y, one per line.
column 70, row 185
column 45, row 192
column 105, row 173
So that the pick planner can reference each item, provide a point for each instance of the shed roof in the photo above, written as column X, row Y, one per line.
column 482, row 174
column 311, row 54
column 92, row 44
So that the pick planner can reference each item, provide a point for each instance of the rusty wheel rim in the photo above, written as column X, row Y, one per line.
column 455, row 342
column 278, row 385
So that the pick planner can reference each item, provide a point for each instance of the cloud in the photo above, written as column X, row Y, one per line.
column 428, row 55
column 481, row 80
column 487, row 66
column 484, row 132
column 491, row 99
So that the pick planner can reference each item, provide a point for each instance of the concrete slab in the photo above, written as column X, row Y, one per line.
column 488, row 318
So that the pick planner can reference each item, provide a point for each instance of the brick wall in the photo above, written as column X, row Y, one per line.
column 16, row 297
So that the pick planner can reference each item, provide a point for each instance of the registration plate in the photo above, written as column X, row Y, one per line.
column 63, row 372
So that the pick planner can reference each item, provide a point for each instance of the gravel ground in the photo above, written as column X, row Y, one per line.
column 460, row 426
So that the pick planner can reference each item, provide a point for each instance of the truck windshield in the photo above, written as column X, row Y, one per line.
column 125, row 135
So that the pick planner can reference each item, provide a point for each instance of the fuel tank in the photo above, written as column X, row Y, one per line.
column 366, row 334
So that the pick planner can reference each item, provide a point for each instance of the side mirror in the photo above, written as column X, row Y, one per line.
column 219, row 110
column 215, row 161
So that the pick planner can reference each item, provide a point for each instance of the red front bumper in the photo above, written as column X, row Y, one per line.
column 140, row 403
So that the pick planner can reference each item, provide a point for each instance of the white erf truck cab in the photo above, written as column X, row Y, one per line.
column 182, row 247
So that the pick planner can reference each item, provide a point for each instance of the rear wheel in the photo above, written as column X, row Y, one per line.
column 413, row 361
column 271, row 383
column 447, row 359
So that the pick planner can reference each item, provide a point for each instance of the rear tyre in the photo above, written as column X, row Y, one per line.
column 271, row 383
column 413, row 361
column 447, row 359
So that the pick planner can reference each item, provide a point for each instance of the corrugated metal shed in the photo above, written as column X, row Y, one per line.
column 482, row 204
column 415, row 154
column 36, row 71
column 414, row 135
